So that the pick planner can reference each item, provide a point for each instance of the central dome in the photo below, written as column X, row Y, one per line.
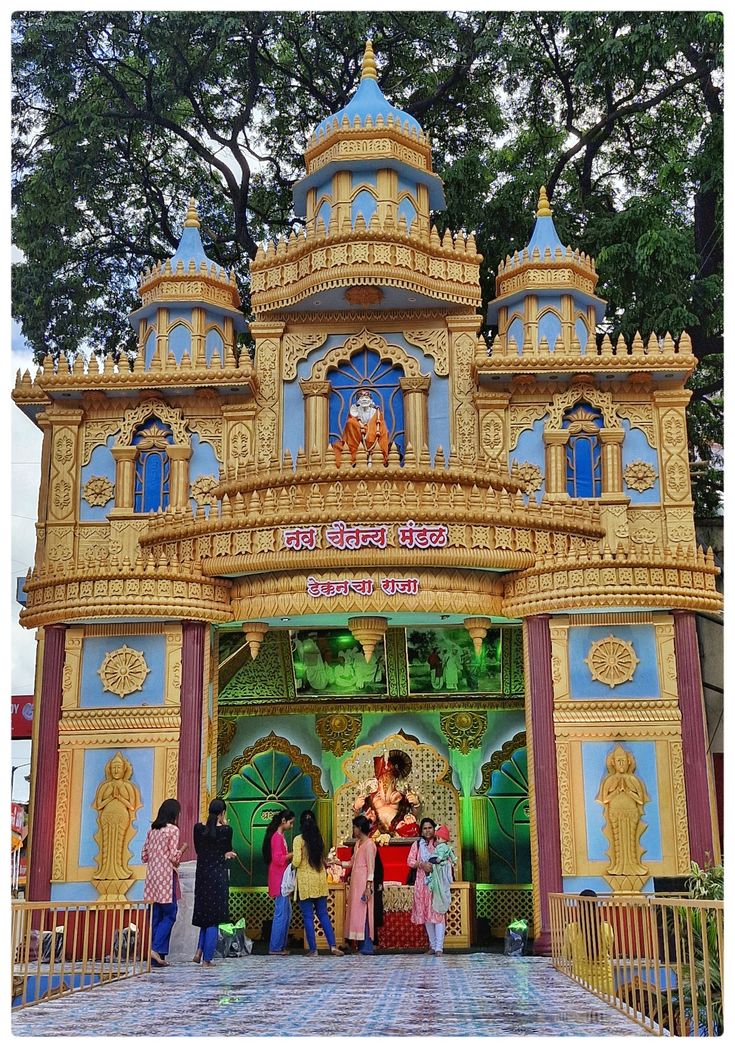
column 368, row 101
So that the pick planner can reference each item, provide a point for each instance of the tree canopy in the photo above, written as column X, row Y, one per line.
column 119, row 117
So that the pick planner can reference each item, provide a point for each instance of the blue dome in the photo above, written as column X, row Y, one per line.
column 191, row 248
column 370, row 101
column 544, row 232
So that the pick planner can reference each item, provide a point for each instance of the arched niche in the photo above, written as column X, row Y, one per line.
column 125, row 452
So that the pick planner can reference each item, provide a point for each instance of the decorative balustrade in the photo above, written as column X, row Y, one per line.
column 102, row 373
column 661, row 354
column 384, row 252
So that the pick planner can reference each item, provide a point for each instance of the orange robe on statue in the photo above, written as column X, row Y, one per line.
column 370, row 433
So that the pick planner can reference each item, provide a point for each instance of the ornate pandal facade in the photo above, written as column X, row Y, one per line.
column 373, row 468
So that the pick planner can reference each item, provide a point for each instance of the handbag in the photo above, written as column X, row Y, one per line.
column 288, row 881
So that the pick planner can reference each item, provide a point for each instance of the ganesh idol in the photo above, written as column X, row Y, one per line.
column 388, row 799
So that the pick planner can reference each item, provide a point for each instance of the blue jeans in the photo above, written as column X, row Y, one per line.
column 307, row 907
column 208, row 942
column 281, row 922
column 164, row 917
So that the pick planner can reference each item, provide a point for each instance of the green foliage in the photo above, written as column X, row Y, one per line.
column 707, row 882
column 120, row 116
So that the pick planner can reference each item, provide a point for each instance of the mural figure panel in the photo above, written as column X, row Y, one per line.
column 116, row 801
column 332, row 662
column 445, row 660
column 623, row 794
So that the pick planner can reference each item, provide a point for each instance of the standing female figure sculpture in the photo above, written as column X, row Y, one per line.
column 116, row 802
column 623, row 795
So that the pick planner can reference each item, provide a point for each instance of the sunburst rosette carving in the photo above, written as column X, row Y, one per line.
column 201, row 491
column 640, row 476
column 528, row 476
column 98, row 491
column 612, row 661
column 123, row 671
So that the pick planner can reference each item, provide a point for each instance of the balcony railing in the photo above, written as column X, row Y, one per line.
column 59, row 948
column 658, row 960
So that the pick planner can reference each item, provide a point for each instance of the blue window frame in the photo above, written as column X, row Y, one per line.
column 152, row 466
column 584, row 453
column 365, row 369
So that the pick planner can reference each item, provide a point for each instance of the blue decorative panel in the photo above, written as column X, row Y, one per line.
column 515, row 333
column 179, row 341
column 583, row 451
column 150, row 348
column 637, row 449
column 101, row 464
column 549, row 327
column 93, row 775
column 214, row 344
column 406, row 185
column 323, row 214
column 203, row 463
column 530, row 448
column 151, row 484
column 94, row 650
column 408, row 211
column 582, row 334
column 594, row 770
column 364, row 204
column 366, row 370
column 645, row 683
column 363, row 178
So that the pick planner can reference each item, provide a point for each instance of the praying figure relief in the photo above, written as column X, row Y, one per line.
column 365, row 425
column 116, row 802
column 623, row 795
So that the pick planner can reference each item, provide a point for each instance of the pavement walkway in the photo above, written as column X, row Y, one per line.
column 479, row 994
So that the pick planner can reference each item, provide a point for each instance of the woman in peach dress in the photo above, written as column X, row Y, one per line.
column 359, row 918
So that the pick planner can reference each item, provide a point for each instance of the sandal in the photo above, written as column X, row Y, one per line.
column 157, row 961
column 336, row 952
column 312, row 953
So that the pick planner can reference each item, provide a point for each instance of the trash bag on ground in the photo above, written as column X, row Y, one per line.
column 516, row 936
column 123, row 946
column 232, row 940
column 52, row 942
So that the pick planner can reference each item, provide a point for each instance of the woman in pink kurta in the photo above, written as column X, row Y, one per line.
column 422, row 912
column 359, row 918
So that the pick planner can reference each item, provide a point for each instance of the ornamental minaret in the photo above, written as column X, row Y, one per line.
column 367, row 199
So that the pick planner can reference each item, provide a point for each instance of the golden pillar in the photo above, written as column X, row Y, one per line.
column 124, row 457
column 198, row 348
column 316, row 418
column 555, row 442
column 415, row 390
column 612, row 460
column 179, row 455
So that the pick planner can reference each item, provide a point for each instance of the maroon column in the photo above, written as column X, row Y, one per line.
column 693, row 737
column 545, row 788
column 43, row 824
column 190, row 740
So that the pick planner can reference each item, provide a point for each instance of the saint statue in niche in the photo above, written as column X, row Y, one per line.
column 365, row 426
column 116, row 802
column 388, row 799
column 623, row 795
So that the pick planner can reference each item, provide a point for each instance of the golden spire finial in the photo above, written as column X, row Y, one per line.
column 369, row 69
column 192, row 216
column 543, row 210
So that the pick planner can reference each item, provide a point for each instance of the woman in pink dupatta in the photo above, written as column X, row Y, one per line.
column 359, row 921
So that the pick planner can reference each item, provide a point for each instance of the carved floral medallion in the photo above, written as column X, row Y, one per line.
column 639, row 475
column 98, row 491
column 123, row 671
column 201, row 491
column 528, row 475
column 612, row 661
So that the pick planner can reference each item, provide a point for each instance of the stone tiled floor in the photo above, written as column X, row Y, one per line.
column 477, row 994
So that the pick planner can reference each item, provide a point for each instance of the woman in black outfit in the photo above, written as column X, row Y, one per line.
column 213, row 844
